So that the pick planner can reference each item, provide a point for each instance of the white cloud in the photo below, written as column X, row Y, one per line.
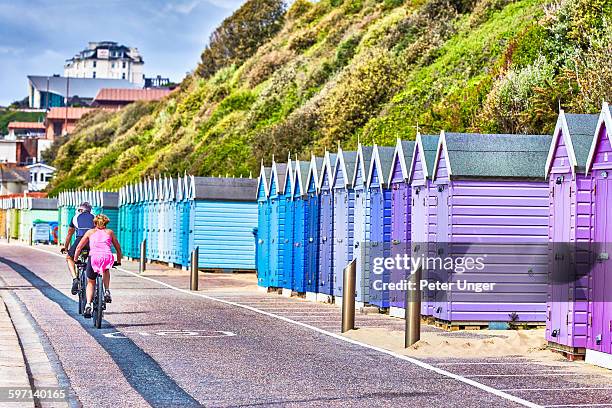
column 182, row 7
column 6, row 50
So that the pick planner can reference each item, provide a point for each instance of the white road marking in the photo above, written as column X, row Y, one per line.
column 412, row 360
column 578, row 405
column 560, row 389
column 538, row 374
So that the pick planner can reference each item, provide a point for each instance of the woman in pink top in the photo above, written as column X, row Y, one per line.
column 101, row 258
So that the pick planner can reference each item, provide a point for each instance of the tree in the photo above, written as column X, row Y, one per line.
column 240, row 35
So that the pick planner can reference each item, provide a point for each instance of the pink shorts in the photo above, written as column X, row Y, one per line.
column 101, row 263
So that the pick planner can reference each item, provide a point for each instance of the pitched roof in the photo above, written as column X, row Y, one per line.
column 496, row 155
column 385, row 155
column 430, row 147
column 26, row 125
column 581, row 130
column 224, row 188
column 14, row 174
column 81, row 87
column 365, row 152
column 73, row 113
column 130, row 95
column 280, row 169
column 301, row 172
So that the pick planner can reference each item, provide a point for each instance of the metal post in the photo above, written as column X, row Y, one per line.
column 31, row 235
column 413, row 310
column 348, row 299
column 8, row 235
column 143, row 262
column 194, row 269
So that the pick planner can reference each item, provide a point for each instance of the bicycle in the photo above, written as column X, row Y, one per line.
column 81, row 265
column 99, row 304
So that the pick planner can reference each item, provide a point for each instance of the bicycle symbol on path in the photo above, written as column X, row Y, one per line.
column 173, row 334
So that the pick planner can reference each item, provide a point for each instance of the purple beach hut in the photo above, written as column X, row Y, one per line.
column 326, row 229
column 570, row 231
column 491, row 228
column 599, row 319
column 400, row 220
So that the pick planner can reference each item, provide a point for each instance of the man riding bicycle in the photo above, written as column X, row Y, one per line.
column 82, row 222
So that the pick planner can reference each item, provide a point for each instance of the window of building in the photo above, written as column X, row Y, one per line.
column 94, row 63
column 48, row 177
column 94, row 74
column 123, row 64
column 123, row 76
column 113, row 65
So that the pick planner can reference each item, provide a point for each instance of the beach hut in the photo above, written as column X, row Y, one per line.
column 66, row 209
column 107, row 203
column 299, row 200
column 380, row 222
column 569, row 232
column 326, row 229
column 344, row 205
column 401, row 210
column 422, row 208
column 223, row 214
column 35, row 211
column 286, row 196
column 6, row 204
column 491, row 213
column 140, row 225
column 361, row 222
column 599, row 167
column 263, row 227
column 277, row 223
column 312, row 213
column 174, row 247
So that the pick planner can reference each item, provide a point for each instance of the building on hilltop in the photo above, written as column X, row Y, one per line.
column 107, row 60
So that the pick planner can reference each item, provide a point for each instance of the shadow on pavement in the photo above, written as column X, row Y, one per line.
column 142, row 372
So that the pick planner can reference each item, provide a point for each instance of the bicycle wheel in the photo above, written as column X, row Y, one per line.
column 82, row 290
column 99, row 302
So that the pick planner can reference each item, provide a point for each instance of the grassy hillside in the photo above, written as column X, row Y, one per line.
column 9, row 115
column 342, row 71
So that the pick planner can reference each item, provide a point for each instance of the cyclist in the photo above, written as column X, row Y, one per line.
column 80, row 223
column 100, row 258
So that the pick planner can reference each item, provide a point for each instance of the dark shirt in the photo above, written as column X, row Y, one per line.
column 82, row 222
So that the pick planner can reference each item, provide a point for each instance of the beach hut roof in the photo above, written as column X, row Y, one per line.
column 345, row 162
column 264, row 177
column 383, row 159
column 301, row 177
column 605, row 119
column 279, row 172
column 402, row 153
column 363, row 160
column 493, row 155
column 289, row 177
column 224, row 188
column 328, row 166
column 577, row 131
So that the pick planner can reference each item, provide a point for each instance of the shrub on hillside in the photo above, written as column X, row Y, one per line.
column 239, row 36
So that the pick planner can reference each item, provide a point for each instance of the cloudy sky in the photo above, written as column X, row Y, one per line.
column 37, row 36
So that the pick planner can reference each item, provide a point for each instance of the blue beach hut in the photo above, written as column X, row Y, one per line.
column 301, row 215
column 344, row 204
column 361, row 223
column 380, row 221
column 289, row 223
column 263, row 228
column 223, row 213
column 277, row 223
column 326, row 229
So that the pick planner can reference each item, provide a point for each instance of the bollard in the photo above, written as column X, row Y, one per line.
column 412, row 332
column 8, row 235
column 348, row 298
column 142, row 265
column 31, row 235
column 194, row 269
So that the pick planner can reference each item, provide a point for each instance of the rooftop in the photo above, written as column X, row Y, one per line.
column 130, row 95
column 72, row 114
column 26, row 125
